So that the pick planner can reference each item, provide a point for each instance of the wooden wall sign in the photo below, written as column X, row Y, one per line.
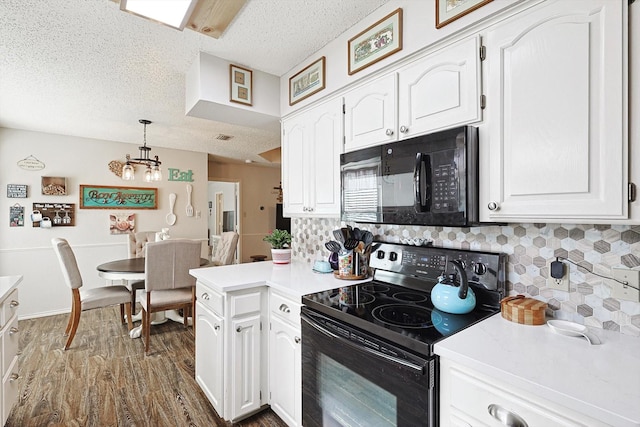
column 103, row 197
column 57, row 214
column 16, row 191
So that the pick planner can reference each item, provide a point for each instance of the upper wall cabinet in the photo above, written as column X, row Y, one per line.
column 557, row 114
column 311, row 147
column 438, row 91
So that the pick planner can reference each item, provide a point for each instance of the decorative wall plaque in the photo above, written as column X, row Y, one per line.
column 102, row 197
column 16, row 191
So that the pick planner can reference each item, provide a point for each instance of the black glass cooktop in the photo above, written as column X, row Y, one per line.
column 397, row 314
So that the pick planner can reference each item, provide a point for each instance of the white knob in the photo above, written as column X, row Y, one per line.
column 493, row 206
column 284, row 308
column 297, row 340
column 205, row 296
column 404, row 129
column 13, row 330
column 14, row 304
column 13, row 377
column 389, row 132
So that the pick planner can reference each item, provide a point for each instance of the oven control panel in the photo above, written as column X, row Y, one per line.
column 484, row 268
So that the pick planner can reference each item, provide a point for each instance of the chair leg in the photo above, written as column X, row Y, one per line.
column 122, row 319
column 145, row 337
column 75, row 317
column 127, row 308
column 70, row 322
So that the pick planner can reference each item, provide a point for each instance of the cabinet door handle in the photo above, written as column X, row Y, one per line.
column 284, row 308
column 404, row 129
column 239, row 329
column 216, row 327
column 14, row 304
column 13, row 330
column 506, row 417
column 205, row 296
column 297, row 340
column 13, row 377
column 493, row 206
column 389, row 132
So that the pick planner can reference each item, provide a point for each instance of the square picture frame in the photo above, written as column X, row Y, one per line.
column 378, row 41
column 241, row 85
column 448, row 11
column 311, row 79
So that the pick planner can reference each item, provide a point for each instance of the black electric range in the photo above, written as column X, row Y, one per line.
column 396, row 306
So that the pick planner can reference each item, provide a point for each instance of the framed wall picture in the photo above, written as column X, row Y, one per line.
column 103, row 197
column 380, row 40
column 448, row 11
column 241, row 85
column 308, row 81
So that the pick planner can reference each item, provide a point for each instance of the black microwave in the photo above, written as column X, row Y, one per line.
column 425, row 180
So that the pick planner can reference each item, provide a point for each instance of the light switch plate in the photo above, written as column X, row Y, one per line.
column 620, row 291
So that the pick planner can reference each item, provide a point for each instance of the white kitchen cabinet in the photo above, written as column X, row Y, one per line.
column 557, row 114
column 9, row 335
column 210, row 355
column 438, row 91
column 468, row 398
column 311, row 147
column 229, row 350
column 285, row 359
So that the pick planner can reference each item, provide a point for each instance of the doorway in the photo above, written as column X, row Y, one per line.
column 224, row 208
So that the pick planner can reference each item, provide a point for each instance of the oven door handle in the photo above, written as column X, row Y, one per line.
column 420, row 369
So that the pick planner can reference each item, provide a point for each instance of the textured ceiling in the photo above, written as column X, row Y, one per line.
column 85, row 68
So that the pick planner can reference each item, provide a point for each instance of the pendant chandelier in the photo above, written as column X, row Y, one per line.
column 152, row 172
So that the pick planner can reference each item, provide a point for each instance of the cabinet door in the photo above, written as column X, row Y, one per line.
column 245, row 366
column 441, row 90
column 295, row 178
column 370, row 114
column 557, row 106
column 209, row 356
column 326, row 129
column 285, row 371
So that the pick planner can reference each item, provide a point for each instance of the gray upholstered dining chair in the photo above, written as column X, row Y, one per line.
column 136, row 245
column 225, row 249
column 86, row 299
column 168, row 284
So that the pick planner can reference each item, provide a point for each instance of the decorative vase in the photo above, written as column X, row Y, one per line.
column 281, row 256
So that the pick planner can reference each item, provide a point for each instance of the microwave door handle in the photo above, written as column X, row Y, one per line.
column 422, row 200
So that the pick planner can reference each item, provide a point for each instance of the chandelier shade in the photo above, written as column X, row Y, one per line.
column 152, row 171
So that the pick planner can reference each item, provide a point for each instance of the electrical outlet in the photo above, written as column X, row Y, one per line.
column 559, row 284
column 620, row 291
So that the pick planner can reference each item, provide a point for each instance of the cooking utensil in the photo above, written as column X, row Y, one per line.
column 573, row 329
column 333, row 246
column 367, row 237
column 189, row 207
column 351, row 244
column 448, row 297
column 339, row 235
column 171, row 217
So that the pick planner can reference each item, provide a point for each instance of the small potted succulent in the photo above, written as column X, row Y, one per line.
column 280, row 241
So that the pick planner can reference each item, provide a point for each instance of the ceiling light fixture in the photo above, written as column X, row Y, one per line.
column 174, row 13
column 150, row 174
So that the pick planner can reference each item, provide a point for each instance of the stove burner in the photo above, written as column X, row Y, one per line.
column 410, row 297
column 406, row 316
column 349, row 297
column 375, row 288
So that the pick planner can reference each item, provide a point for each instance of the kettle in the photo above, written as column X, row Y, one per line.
column 447, row 296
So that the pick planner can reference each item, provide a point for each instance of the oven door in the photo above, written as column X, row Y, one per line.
column 352, row 379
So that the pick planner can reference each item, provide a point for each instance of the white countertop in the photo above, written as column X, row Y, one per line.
column 8, row 284
column 601, row 381
column 294, row 279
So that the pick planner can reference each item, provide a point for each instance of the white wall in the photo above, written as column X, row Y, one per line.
column 27, row 250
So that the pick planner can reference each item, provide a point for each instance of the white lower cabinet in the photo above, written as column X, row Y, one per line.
column 285, row 359
column 469, row 398
column 229, row 350
column 9, row 337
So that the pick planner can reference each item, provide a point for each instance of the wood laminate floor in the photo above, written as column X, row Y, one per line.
column 105, row 379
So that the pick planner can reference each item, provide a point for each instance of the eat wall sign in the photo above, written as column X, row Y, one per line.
column 178, row 175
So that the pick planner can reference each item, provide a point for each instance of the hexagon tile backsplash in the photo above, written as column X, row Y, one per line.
column 530, row 249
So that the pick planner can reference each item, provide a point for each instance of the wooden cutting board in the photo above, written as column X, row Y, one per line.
column 520, row 309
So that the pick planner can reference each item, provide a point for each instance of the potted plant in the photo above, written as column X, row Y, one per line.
column 280, row 241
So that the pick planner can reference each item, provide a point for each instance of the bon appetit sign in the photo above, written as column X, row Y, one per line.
column 102, row 197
